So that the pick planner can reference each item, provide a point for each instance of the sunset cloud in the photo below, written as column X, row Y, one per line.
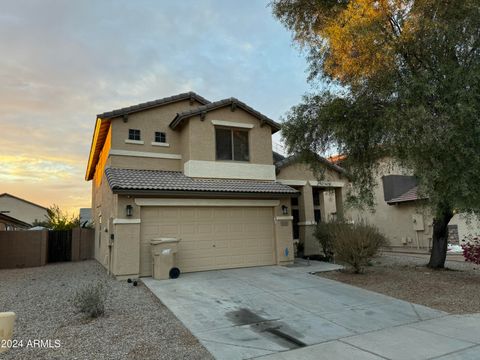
column 64, row 62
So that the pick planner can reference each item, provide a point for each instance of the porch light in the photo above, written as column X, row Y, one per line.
column 129, row 210
column 284, row 210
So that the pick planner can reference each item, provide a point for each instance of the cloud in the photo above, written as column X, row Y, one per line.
column 64, row 62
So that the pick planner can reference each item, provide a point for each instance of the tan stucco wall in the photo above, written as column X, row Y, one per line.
column 396, row 221
column 128, row 162
column 149, row 121
column 283, row 235
column 126, row 250
column 468, row 225
column 103, row 206
column 328, row 206
column 21, row 210
column 300, row 171
column 201, row 136
column 193, row 140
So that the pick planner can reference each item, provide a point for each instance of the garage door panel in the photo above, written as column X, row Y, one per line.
column 187, row 213
column 220, row 228
column 211, row 238
column 204, row 214
column 187, row 229
column 205, row 229
column 235, row 228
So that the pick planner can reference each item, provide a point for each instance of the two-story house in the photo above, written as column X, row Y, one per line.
column 187, row 168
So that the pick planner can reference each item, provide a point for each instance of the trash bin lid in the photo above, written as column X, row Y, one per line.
column 163, row 240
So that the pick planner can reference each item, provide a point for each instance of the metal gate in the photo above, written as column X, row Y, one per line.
column 59, row 246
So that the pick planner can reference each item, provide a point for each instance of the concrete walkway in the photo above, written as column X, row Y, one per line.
column 285, row 313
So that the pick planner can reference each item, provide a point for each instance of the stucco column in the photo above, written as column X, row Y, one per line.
column 339, row 203
column 307, row 219
column 305, row 204
column 323, row 207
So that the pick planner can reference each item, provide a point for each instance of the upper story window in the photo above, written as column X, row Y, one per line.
column 134, row 134
column 160, row 137
column 231, row 144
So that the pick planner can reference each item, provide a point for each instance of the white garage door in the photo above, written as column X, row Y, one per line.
column 211, row 237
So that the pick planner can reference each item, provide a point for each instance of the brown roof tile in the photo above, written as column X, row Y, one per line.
column 220, row 104
column 410, row 195
column 159, row 180
column 152, row 104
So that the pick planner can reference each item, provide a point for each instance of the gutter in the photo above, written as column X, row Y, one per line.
column 208, row 194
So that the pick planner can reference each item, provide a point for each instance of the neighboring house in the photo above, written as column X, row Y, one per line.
column 86, row 217
column 8, row 223
column 188, row 168
column 22, row 210
column 401, row 214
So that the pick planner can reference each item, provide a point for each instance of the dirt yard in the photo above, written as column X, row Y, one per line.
column 136, row 324
column 454, row 290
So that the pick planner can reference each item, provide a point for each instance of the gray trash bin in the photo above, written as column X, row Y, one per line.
column 164, row 256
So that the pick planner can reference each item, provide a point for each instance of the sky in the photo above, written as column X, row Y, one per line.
column 63, row 62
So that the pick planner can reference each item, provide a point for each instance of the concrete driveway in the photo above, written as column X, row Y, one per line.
column 286, row 313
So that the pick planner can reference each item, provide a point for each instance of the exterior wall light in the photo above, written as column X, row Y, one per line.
column 129, row 210
column 284, row 210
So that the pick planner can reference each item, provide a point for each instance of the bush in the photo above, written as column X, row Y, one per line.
column 356, row 244
column 471, row 250
column 90, row 299
column 325, row 234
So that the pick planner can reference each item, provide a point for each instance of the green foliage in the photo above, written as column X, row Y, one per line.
column 421, row 109
column 356, row 244
column 57, row 219
column 325, row 233
column 90, row 299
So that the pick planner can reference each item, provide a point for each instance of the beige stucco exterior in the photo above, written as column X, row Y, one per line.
column 122, row 242
column 405, row 225
column 22, row 210
column 468, row 226
column 396, row 222
column 331, row 191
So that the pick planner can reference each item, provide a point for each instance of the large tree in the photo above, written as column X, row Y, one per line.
column 399, row 78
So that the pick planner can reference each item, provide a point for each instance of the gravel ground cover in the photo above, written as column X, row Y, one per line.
column 454, row 289
column 136, row 325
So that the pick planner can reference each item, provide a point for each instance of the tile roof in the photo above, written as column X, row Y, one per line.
column 277, row 157
column 154, row 103
column 219, row 104
column 410, row 195
column 297, row 157
column 130, row 179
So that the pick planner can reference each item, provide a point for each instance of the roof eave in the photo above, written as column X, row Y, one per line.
column 91, row 161
column 225, row 194
column 224, row 103
column 397, row 202
column 128, row 111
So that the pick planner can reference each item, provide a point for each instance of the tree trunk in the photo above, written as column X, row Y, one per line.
column 440, row 238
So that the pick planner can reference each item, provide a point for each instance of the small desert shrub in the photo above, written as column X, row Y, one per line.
column 90, row 299
column 325, row 234
column 356, row 244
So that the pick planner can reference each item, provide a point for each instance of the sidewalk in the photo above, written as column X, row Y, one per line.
column 452, row 337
